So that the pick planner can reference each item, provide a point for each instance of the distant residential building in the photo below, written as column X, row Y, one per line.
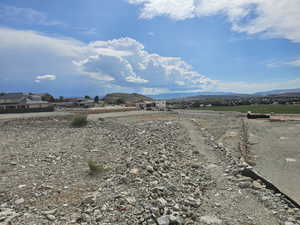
column 152, row 105
column 161, row 104
column 76, row 102
column 23, row 102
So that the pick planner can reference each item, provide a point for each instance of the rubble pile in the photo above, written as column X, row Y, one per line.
column 154, row 175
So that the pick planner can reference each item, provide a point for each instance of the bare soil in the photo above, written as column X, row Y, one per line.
column 161, row 168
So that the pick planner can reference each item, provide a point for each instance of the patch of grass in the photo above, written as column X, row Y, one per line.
column 79, row 120
column 95, row 168
column 280, row 109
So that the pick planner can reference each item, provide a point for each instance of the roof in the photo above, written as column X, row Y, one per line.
column 13, row 96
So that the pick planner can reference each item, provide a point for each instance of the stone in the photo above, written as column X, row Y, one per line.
column 131, row 200
column 211, row 220
column 75, row 217
column 19, row 201
column 162, row 202
column 150, row 169
column 175, row 220
column 289, row 223
column 195, row 165
column 257, row 185
column 244, row 184
column 135, row 171
column 155, row 211
column 50, row 217
column 163, row 220
column 49, row 212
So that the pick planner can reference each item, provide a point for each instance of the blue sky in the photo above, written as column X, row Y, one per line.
column 93, row 47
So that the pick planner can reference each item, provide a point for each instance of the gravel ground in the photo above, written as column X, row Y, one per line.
column 160, row 169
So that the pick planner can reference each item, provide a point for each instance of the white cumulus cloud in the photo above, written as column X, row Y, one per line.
column 295, row 62
column 45, row 77
column 120, row 64
column 127, row 63
column 273, row 18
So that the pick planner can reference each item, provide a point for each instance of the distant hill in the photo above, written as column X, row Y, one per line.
column 278, row 92
column 209, row 97
column 185, row 95
column 201, row 95
column 120, row 98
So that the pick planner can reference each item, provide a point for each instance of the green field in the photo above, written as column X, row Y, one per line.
column 284, row 109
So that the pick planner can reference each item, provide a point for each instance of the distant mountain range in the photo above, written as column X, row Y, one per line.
column 201, row 94
column 278, row 92
column 184, row 95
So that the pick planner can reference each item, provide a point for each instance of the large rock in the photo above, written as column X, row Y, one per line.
column 211, row 220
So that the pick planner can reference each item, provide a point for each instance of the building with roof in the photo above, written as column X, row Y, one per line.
column 152, row 105
column 23, row 102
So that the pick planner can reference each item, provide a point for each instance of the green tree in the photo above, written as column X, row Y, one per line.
column 120, row 101
column 47, row 97
column 96, row 99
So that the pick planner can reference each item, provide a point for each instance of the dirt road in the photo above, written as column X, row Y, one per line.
column 234, row 201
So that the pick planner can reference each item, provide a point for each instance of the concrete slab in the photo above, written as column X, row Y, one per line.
column 276, row 146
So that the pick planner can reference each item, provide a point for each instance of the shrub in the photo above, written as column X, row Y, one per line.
column 95, row 168
column 79, row 120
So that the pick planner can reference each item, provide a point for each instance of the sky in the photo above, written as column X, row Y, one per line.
column 93, row 47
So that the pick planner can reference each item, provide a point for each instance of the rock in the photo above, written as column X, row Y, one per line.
column 288, row 223
column 85, row 217
column 19, row 201
column 244, row 184
column 192, row 202
column 163, row 220
column 49, row 212
column 176, row 207
column 175, row 220
column 22, row 186
column 221, row 145
column 196, row 152
column 212, row 166
column 131, row 200
column 257, row 185
column 150, row 169
column 211, row 220
column 162, row 202
column 75, row 217
column 195, row 165
column 135, row 171
column 50, row 217
column 155, row 211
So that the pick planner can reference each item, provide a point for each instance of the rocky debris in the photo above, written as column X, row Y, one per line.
column 7, row 216
column 155, row 176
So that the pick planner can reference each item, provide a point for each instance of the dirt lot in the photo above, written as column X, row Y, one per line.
column 157, row 169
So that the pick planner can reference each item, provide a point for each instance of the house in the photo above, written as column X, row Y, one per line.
column 152, row 105
column 76, row 102
column 23, row 102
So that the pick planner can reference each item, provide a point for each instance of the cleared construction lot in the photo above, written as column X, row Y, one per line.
column 161, row 168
